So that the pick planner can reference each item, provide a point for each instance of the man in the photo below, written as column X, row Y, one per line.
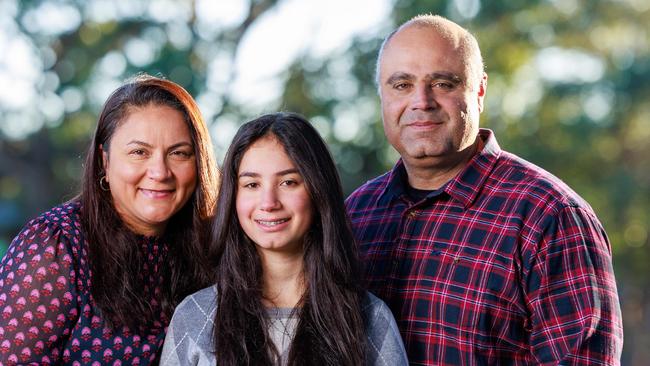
column 483, row 257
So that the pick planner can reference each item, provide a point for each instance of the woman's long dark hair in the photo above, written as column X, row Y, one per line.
column 115, row 254
column 330, row 329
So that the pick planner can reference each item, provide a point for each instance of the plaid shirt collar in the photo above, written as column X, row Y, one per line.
column 464, row 187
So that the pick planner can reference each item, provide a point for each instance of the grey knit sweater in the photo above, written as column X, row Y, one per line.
column 190, row 339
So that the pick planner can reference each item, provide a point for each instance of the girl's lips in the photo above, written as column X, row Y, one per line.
column 272, row 225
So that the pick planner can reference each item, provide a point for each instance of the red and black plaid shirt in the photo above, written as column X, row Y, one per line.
column 503, row 265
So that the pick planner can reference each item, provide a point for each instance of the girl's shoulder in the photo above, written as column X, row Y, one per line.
column 372, row 303
column 197, row 308
column 385, row 343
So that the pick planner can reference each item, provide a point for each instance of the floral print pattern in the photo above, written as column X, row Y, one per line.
column 47, row 313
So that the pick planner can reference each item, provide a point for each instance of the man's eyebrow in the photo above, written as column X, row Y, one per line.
column 437, row 75
column 400, row 76
column 441, row 75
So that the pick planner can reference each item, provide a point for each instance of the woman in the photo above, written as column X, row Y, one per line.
column 97, row 278
column 287, row 290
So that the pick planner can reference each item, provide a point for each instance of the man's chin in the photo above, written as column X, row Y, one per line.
column 423, row 151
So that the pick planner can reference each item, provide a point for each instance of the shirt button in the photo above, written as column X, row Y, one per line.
column 413, row 214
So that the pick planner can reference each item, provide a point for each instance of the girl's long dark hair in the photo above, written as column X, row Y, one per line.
column 115, row 254
column 330, row 329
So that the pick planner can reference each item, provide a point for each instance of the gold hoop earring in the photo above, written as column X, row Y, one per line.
column 103, row 184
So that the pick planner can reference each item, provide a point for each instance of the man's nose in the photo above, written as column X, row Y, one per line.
column 423, row 98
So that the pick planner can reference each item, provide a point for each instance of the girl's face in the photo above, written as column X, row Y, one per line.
column 273, row 206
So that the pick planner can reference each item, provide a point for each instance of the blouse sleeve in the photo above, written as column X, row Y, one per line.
column 38, row 297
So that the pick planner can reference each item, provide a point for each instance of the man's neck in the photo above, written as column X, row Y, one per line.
column 433, row 173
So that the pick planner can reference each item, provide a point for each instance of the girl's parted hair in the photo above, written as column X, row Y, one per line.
column 330, row 329
column 114, row 251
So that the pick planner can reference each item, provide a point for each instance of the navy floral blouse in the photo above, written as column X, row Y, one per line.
column 48, row 315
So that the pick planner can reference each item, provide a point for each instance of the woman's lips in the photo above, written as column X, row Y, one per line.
column 156, row 193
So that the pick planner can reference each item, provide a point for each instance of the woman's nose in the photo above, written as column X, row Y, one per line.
column 158, row 168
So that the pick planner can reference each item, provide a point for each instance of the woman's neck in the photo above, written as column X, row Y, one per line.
column 283, row 280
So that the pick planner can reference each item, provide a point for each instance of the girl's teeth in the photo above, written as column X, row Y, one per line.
column 271, row 223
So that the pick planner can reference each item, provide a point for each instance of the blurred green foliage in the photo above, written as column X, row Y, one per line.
column 568, row 89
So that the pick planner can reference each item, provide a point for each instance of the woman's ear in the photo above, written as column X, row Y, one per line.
column 104, row 158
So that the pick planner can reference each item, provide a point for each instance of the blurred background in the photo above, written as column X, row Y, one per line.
column 569, row 89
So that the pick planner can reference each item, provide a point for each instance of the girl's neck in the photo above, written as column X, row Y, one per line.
column 283, row 280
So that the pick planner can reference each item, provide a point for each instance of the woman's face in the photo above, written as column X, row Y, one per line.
column 273, row 206
column 150, row 167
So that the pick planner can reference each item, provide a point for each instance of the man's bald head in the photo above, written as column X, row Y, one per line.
column 462, row 39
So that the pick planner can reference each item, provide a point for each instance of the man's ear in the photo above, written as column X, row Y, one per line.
column 482, row 89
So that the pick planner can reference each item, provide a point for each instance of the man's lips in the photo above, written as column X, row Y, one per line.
column 423, row 124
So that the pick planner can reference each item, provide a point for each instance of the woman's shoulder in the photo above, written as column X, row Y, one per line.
column 65, row 217
column 54, row 232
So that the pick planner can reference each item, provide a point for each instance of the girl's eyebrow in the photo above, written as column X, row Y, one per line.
column 280, row 173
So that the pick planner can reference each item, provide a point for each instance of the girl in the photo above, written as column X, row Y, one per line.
column 287, row 290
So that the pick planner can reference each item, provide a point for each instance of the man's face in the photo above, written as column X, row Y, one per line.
column 430, row 106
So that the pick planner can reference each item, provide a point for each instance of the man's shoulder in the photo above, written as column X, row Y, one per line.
column 368, row 191
column 376, row 184
column 522, row 177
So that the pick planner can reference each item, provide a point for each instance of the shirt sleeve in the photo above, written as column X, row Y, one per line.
column 38, row 296
column 385, row 346
column 575, row 311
